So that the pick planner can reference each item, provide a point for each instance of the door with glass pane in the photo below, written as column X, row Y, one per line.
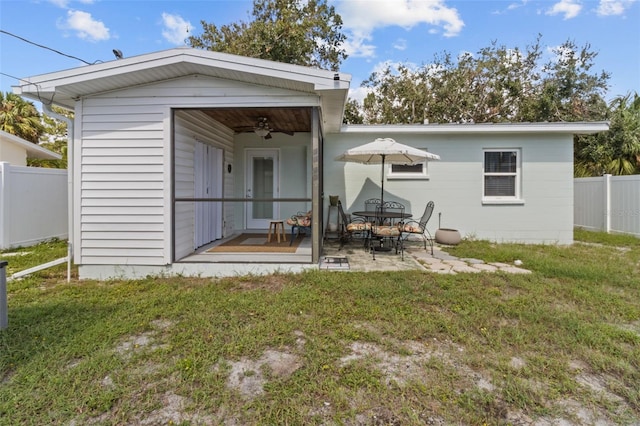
column 261, row 183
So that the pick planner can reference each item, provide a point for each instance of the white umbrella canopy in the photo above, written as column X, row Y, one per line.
column 385, row 150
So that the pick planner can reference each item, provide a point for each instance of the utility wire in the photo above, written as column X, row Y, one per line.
column 48, row 48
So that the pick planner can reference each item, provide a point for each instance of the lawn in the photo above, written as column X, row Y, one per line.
column 558, row 346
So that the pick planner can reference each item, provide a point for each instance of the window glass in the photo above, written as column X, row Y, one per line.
column 408, row 171
column 501, row 174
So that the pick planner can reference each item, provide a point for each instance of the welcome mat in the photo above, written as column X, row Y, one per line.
column 256, row 243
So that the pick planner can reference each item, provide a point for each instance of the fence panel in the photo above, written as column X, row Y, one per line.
column 608, row 203
column 33, row 205
column 625, row 204
column 589, row 205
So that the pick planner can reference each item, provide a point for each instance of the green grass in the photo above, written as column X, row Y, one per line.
column 352, row 348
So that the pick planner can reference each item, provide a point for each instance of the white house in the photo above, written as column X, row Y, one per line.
column 166, row 158
column 15, row 150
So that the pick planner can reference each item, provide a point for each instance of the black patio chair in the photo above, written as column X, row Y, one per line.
column 371, row 204
column 418, row 228
column 384, row 228
column 351, row 226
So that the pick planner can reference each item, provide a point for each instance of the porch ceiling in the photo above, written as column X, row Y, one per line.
column 243, row 120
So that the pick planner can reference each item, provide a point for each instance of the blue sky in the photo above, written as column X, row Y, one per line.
column 379, row 32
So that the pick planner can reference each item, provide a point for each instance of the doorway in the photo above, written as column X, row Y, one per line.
column 262, row 182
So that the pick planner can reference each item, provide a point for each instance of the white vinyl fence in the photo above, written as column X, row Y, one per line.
column 608, row 203
column 33, row 205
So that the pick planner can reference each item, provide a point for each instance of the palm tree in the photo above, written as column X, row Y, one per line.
column 617, row 151
column 20, row 117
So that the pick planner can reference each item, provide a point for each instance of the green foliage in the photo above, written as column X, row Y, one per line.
column 302, row 33
column 54, row 139
column 497, row 84
column 617, row 151
column 20, row 117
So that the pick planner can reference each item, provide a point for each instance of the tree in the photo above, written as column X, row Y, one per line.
column 496, row 84
column 568, row 91
column 54, row 139
column 617, row 151
column 291, row 31
column 20, row 117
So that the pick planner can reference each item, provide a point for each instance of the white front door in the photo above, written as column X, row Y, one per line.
column 262, row 181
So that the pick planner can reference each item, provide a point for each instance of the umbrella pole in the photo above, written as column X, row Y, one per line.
column 382, row 181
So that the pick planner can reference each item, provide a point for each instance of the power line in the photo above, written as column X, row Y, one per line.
column 48, row 48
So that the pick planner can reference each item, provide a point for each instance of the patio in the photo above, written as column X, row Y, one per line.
column 416, row 258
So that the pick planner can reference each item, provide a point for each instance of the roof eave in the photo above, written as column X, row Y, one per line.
column 33, row 150
column 487, row 128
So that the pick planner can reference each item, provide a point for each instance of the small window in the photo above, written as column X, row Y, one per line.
column 408, row 171
column 501, row 175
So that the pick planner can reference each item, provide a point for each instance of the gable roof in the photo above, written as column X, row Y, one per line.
column 63, row 88
column 33, row 150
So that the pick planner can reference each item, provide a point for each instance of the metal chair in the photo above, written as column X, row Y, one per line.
column 349, row 226
column 383, row 227
column 300, row 222
column 418, row 227
column 371, row 204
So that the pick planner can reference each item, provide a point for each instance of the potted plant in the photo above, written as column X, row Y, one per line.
column 447, row 236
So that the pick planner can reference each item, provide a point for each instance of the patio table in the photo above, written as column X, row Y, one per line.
column 372, row 215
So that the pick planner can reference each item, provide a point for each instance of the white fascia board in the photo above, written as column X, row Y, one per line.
column 487, row 128
column 318, row 79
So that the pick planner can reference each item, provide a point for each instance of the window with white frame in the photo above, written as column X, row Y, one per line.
column 501, row 174
column 408, row 171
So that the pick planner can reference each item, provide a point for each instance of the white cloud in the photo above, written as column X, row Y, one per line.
column 64, row 4
column 614, row 7
column 176, row 29
column 85, row 26
column 60, row 3
column 359, row 93
column 569, row 8
column 361, row 18
column 400, row 44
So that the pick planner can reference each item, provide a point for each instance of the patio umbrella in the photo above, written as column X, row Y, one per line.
column 385, row 151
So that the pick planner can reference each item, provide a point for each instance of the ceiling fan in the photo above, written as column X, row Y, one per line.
column 263, row 129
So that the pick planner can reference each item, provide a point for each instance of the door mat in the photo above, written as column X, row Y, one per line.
column 334, row 262
column 256, row 243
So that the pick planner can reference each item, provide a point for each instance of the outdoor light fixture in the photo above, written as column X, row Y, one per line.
column 117, row 53
column 261, row 131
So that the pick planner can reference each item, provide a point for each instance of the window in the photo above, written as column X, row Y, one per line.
column 501, row 175
column 408, row 171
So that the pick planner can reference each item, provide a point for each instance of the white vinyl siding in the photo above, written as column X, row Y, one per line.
column 122, row 184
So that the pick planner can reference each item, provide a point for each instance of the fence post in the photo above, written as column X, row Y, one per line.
column 607, row 202
column 5, row 169
column 4, row 317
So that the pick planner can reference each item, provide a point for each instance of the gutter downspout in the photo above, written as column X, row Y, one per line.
column 70, row 136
